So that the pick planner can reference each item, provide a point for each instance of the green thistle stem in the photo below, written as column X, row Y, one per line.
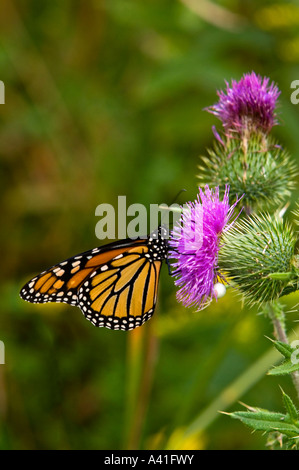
column 277, row 316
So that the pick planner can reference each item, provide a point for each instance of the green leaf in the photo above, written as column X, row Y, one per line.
column 290, row 352
column 281, row 276
column 286, row 368
column 285, row 349
column 290, row 407
column 263, row 420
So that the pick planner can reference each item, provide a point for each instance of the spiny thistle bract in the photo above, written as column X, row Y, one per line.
column 262, row 171
column 258, row 257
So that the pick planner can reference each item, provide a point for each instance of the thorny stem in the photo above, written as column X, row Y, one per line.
column 277, row 317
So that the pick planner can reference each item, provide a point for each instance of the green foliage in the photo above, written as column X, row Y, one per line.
column 262, row 420
column 285, row 349
column 296, row 213
column 291, row 363
column 285, row 426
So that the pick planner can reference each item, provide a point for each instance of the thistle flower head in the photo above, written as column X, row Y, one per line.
column 195, row 243
column 259, row 258
column 247, row 105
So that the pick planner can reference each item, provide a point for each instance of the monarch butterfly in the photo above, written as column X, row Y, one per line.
column 115, row 285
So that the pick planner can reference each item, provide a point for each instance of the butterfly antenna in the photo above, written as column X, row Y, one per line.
column 178, row 194
column 171, row 209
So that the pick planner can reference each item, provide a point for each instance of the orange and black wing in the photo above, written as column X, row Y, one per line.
column 114, row 286
column 121, row 294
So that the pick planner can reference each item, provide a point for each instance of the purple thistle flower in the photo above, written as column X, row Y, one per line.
column 247, row 105
column 195, row 243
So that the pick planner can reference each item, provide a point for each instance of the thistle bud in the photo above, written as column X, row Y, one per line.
column 258, row 257
column 261, row 170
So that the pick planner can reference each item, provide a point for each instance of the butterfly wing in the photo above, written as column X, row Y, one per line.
column 121, row 294
column 115, row 286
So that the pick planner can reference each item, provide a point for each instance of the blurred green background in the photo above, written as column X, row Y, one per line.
column 106, row 98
